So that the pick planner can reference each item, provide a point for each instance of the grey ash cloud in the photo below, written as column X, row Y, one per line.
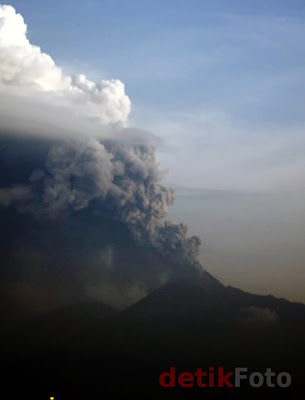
column 68, row 158
column 124, row 180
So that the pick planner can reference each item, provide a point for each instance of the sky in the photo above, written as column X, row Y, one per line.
column 221, row 83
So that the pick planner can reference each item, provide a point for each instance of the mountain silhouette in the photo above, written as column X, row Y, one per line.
column 91, row 350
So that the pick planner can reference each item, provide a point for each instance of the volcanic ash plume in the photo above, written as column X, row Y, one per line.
column 123, row 181
column 59, row 180
column 89, row 183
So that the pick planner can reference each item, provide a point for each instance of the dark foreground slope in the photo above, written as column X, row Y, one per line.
column 93, row 352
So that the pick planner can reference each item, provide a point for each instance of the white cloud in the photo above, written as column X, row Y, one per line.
column 25, row 67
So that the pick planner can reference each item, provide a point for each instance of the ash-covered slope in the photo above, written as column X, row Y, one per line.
column 216, row 321
column 198, row 323
column 205, row 294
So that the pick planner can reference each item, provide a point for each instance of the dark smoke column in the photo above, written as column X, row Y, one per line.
column 125, row 181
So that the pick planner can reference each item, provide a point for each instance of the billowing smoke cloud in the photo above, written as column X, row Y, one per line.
column 125, row 180
column 99, row 174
